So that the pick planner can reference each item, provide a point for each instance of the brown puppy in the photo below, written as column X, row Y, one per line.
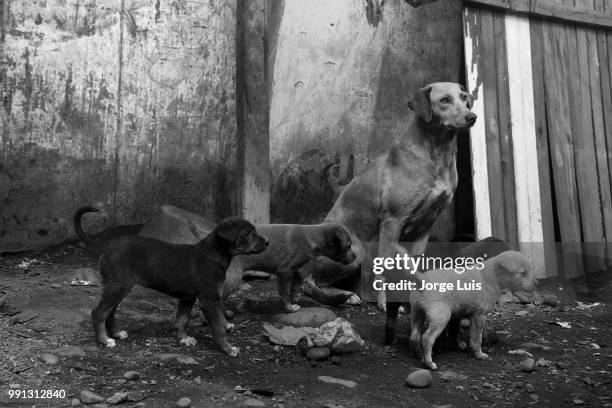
column 509, row 270
column 402, row 192
column 291, row 247
column 186, row 272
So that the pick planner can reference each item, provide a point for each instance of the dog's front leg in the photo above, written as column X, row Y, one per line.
column 212, row 307
column 390, row 229
column 183, row 314
column 477, row 324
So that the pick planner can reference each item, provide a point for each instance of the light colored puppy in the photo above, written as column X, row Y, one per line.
column 509, row 270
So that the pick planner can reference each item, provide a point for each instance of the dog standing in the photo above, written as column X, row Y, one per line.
column 291, row 247
column 509, row 270
column 187, row 272
column 402, row 192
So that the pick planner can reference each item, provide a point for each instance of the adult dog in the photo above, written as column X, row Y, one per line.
column 291, row 247
column 187, row 272
column 402, row 192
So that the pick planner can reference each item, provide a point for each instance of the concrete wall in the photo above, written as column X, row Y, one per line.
column 344, row 72
column 121, row 104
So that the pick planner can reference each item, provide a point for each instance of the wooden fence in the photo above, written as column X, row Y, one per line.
column 542, row 149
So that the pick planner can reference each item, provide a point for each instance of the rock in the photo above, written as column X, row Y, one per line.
column 252, row 402
column 529, row 388
column 85, row 277
column 69, row 351
column 318, row 353
column 535, row 347
column 175, row 225
column 56, row 286
column 331, row 380
column 449, row 375
column 560, row 365
column 183, row 403
column 131, row 375
column 346, row 340
column 286, row 336
column 117, row 398
column 48, row 358
column 543, row 362
column 524, row 297
column 75, row 402
column 22, row 317
column 306, row 317
column 135, row 396
column 528, row 365
column 245, row 287
column 419, row 379
column 88, row 397
column 521, row 313
column 508, row 297
column 578, row 401
column 186, row 360
column 550, row 300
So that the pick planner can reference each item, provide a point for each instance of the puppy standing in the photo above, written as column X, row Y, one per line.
column 186, row 272
column 291, row 247
column 509, row 270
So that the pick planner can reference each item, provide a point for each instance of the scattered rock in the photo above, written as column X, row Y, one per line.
column 252, row 402
column 75, row 402
column 419, row 379
column 508, row 297
column 528, row 365
column 135, row 396
column 117, row 398
column 88, row 397
column 186, row 360
column 245, row 287
column 56, row 286
column 131, row 375
column 521, row 313
column 183, row 403
column 449, row 375
column 529, row 388
column 331, row 380
column 286, row 336
column 318, row 353
column 550, row 300
column 560, row 365
column 22, row 317
column 69, row 351
column 535, row 347
column 543, row 362
column 85, row 277
column 339, row 336
column 306, row 317
column 524, row 297
column 48, row 358
column 578, row 401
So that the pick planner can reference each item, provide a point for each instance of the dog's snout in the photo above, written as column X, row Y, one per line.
column 471, row 117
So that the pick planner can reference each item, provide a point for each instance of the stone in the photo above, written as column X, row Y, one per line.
column 245, row 287
column 318, row 353
column 339, row 381
column 560, row 365
column 75, row 402
column 69, row 351
column 306, row 317
column 529, row 388
column 508, row 297
column 528, row 365
column 135, row 396
column 175, row 225
column 449, row 375
column 183, row 403
column 48, row 358
column 285, row 336
column 131, row 375
column 85, row 277
column 88, row 397
column 535, row 347
column 56, row 286
column 419, row 379
column 117, row 398
column 252, row 402
column 346, row 340
column 187, row 360
column 550, row 300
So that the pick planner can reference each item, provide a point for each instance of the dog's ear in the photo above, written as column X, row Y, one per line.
column 470, row 100
column 228, row 230
column 421, row 104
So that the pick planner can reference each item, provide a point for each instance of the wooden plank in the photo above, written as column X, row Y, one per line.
column 563, row 12
column 520, row 85
column 561, row 143
column 478, row 148
column 601, row 94
column 583, row 137
column 487, row 66
column 546, row 194
column 504, row 129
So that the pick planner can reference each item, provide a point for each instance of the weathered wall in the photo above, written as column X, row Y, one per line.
column 124, row 110
column 344, row 72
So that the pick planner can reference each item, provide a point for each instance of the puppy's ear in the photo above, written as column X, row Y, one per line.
column 228, row 231
column 421, row 104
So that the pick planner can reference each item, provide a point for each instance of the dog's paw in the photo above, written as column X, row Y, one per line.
column 402, row 310
column 353, row 300
column 233, row 351
column 430, row 365
column 482, row 356
column 462, row 345
column 110, row 343
column 293, row 308
column 122, row 335
column 382, row 305
column 188, row 341
column 229, row 327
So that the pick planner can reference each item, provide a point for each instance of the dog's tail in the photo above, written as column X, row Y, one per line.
column 83, row 236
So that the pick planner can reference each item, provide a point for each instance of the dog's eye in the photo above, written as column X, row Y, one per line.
column 446, row 99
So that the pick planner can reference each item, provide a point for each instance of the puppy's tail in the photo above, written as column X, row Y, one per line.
column 84, row 237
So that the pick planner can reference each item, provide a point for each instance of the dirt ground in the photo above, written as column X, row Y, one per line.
column 575, row 371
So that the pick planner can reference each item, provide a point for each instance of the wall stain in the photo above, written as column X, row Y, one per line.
column 374, row 11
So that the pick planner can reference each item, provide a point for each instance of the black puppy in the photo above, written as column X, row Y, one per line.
column 186, row 272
